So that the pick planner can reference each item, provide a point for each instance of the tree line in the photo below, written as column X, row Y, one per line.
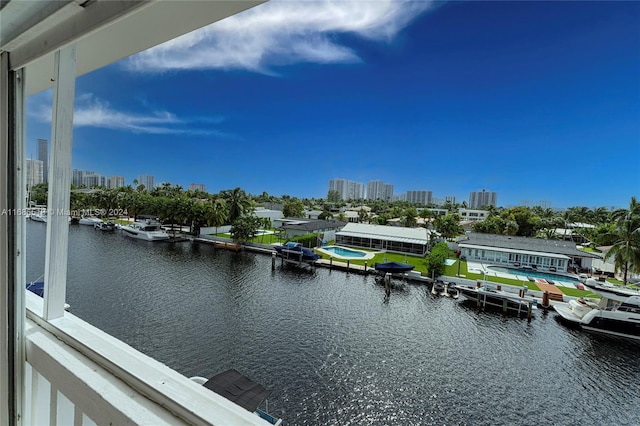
column 171, row 203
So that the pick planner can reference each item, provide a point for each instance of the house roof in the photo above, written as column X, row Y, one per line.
column 537, row 245
column 388, row 233
column 310, row 225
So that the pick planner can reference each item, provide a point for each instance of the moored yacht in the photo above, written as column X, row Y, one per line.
column 489, row 296
column 148, row 230
column 616, row 313
column 91, row 221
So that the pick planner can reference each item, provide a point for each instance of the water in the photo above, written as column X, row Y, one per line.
column 332, row 350
column 535, row 274
column 344, row 252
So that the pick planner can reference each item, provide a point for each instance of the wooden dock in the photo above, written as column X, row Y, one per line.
column 553, row 291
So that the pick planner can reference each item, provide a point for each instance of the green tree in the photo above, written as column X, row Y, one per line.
column 626, row 248
column 245, row 228
column 435, row 259
column 363, row 216
column 238, row 203
column 218, row 214
column 293, row 208
column 325, row 215
column 410, row 217
column 448, row 225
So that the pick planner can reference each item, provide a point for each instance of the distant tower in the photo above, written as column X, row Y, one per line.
column 43, row 155
column 482, row 199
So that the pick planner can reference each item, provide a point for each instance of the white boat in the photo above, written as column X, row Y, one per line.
column 105, row 226
column 37, row 214
column 488, row 296
column 91, row 221
column 616, row 312
column 148, row 230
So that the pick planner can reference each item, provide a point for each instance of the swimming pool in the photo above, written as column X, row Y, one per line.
column 535, row 274
column 345, row 253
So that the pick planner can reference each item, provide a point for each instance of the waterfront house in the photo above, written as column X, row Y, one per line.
column 396, row 239
column 537, row 253
column 295, row 227
column 56, row 368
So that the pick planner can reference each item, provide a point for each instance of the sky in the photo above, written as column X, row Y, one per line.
column 537, row 101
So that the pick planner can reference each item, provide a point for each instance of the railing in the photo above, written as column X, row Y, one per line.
column 78, row 375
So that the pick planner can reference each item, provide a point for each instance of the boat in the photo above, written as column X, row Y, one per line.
column 393, row 267
column 488, row 296
column 105, row 226
column 616, row 312
column 91, row 221
column 39, row 217
column 240, row 390
column 148, row 230
column 438, row 288
column 295, row 252
column 452, row 290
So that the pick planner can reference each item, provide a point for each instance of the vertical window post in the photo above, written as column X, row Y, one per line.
column 58, row 199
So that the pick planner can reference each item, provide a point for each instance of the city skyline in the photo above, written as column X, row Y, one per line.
column 448, row 98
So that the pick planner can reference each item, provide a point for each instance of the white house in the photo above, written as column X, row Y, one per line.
column 381, row 237
column 537, row 253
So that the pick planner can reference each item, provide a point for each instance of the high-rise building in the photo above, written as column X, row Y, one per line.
column 76, row 177
column 420, row 197
column 43, row 155
column 451, row 198
column 378, row 190
column 147, row 181
column 347, row 189
column 480, row 199
column 115, row 182
column 35, row 172
column 197, row 187
column 91, row 179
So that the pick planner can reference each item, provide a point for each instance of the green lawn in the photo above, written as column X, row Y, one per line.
column 417, row 261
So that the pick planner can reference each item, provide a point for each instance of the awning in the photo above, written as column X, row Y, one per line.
column 238, row 389
column 515, row 251
column 383, row 237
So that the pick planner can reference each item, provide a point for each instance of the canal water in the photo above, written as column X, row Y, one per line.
column 332, row 349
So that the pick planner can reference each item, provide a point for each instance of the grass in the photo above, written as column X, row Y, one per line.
column 418, row 262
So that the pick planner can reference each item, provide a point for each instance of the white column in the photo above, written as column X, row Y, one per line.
column 5, row 301
column 12, row 243
column 57, row 243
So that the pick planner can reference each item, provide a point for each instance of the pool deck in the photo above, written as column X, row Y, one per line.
column 481, row 268
column 368, row 255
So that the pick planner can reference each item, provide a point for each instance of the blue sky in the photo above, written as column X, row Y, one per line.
column 533, row 100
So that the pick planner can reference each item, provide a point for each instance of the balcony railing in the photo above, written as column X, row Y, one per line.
column 78, row 375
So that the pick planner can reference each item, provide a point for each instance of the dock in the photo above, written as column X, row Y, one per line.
column 553, row 292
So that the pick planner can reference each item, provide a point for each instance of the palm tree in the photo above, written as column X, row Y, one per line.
column 238, row 203
column 218, row 213
column 626, row 249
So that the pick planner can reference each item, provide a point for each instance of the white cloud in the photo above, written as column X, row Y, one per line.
column 93, row 112
column 282, row 32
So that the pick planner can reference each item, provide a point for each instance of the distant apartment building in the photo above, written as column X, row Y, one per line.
column 471, row 215
column 92, row 179
column 35, row 173
column 115, row 182
column 450, row 198
column 147, row 181
column 43, row 155
column 419, row 197
column 347, row 189
column 481, row 199
column 197, row 187
column 76, row 177
column 378, row 190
